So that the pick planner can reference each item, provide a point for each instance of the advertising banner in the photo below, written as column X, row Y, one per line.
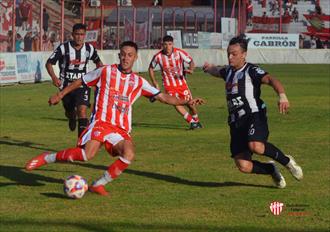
column 265, row 24
column 209, row 40
column 177, row 38
column 8, row 68
column 29, row 67
column 190, row 40
column 228, row 30
column 288, row 41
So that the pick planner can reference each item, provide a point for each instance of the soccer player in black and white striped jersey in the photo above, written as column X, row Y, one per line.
column 247, row 113
column 73, row 57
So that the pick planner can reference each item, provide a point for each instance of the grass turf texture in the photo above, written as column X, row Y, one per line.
column 181, row 180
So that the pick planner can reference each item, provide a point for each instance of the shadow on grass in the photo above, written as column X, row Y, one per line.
column 55, row 119
column 158, row 125
column 56, row 195
column 20, row 177
column 63, row 225
column 6, row 140
column 176, row 180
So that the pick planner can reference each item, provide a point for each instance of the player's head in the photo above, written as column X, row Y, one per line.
column 167, row 44
column 128, row 55
column 79, row 33
column 237, row 51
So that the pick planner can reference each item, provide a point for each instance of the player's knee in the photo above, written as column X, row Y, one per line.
column 257, row 147
column 82, row 112
column 244, row 166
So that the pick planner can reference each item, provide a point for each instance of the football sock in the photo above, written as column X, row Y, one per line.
column 82, row 125
column 276, row 154
column 188, row 118
column 262, row 168
column 195, row 117
column 113, row 171
column 67, row 155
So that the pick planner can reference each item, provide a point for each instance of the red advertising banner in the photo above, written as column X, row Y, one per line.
column 267, row 24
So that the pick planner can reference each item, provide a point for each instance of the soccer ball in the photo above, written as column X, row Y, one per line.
column 75, row 186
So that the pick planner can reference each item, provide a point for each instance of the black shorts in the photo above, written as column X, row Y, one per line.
column 254, row 129
column 76, row 98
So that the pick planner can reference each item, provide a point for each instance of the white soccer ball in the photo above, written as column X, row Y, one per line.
column 75, row 186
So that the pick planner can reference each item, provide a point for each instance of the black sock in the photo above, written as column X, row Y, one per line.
column 276, row 154
column 262, row 168
column 82, row 125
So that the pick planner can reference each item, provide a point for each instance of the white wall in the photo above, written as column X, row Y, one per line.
column 25, row 67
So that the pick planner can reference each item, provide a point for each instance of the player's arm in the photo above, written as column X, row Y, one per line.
column 283, row 102
column 53, row 100
column 191, row 68
column 212, row 69
column 55, row 56
column 56, row 81
column 152, row 76
column 170, row 100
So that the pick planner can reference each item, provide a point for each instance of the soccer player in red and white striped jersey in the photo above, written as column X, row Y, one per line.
column 171, row 61
column 117, row 89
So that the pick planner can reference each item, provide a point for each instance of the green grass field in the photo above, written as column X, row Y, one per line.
column 181, row 180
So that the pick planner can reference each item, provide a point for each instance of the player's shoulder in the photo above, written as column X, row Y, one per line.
column 255, row 68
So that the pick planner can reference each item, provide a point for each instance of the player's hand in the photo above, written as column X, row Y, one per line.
column 206, row 67
column 189, row 71
column 283, row 107
column 53, row 100
column 57, row 82
column 196, row 101
column 283, row 104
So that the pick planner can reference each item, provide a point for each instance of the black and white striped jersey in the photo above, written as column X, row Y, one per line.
column 243, row 90
column 72, row 62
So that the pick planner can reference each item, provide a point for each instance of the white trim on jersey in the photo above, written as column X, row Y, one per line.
column 106, row 96
column 249, row 92
column 83, row 57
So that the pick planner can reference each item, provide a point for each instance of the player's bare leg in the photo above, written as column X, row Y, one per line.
column 68, row 155
column 125, row 150
column 245, row 164
column 82, row 119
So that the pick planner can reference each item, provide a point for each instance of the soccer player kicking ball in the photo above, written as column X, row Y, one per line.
column 247, row 113
column 117, row 89
column 171, row 61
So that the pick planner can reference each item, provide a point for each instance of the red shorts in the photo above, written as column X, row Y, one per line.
column 180, row 92
column 105, row 133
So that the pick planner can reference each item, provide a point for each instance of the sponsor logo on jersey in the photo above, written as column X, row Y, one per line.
column 77, row 62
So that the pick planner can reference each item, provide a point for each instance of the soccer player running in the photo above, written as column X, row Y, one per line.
column 73, row 57
column 171, row 61
column 117, row 89
column 247, row 113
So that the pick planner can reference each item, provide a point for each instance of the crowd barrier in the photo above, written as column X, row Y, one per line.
column 29, row 67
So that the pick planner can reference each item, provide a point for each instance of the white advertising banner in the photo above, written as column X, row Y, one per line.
column 228, row 30
column 29, row 66
column 8, row 72
column 177, row 38
column 209, row 39
column 289, row 41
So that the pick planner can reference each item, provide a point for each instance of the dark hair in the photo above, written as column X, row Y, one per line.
column 167, row 38
column 130, row 44
column 79, row 26
column 241, row 40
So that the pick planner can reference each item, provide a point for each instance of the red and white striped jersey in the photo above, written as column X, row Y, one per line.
column 116, row 93
column 172, row 66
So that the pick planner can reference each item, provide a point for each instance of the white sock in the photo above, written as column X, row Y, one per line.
column 50, row 158
column 106, row 178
